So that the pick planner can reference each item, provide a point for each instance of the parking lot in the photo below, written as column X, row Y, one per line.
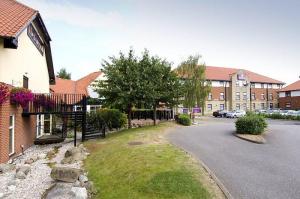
column 246, row 169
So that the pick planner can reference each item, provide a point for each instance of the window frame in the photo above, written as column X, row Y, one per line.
column 237, row 96
column 209, row 109
column 222, row 96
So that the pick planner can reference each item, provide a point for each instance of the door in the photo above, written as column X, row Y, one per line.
column 39, row 126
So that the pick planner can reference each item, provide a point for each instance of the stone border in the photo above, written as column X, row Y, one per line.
column 257, row 139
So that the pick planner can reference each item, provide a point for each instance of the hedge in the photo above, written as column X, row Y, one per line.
column 251, row 124
column 184, row 119
column 112, row 118
column 279, row 116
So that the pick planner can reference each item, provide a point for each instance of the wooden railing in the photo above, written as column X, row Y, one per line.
column 56, row 103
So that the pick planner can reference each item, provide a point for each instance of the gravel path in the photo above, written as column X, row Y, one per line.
column 247, row 170
column 38, row 179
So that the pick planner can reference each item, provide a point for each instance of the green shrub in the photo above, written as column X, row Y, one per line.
column 251, row 124
column 184, row 119
column 112, row 118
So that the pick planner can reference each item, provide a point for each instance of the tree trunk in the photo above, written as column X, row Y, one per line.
column 154, row 115
column 129, row 116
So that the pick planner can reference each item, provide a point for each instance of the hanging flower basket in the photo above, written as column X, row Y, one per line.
column 42, row 101
column 4, row 93
column 21, row 96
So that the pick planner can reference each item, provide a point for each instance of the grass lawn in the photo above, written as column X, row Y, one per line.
column 139, row 164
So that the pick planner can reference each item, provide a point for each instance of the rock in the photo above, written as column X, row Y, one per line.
column 90, row 187
column 6, row 168
column 83, row 178
column 42, row 156
column 65, row 174
column 11, row 188
column 20, row 175
column 76, row 184
column 75, row 154
column 58, row 191
column 12, row 182
column 79, row 192
column 1, row 195
column 29, row 161
column 23, row 168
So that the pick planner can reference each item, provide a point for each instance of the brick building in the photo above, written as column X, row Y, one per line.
column 234, row 89
column 289, row 97
column 25, row 61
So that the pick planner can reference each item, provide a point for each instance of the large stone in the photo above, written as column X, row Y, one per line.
column 79, row 192
column 11, row 188
column 65, row 174
column 75, row 154
column 6, row 168
column 20, row 175
column 59, row 191
column 23, row 168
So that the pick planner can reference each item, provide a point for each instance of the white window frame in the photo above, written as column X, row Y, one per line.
column 13, row 135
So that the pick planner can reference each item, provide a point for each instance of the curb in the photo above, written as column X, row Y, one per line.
column 210, row 173
column 250, row 140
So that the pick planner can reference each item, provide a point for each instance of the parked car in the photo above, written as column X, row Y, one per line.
column 220, row 113
column 287, row 112
column 296, row 113
column 236, row 114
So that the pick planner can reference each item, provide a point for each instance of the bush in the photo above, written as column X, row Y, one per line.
column 184, row 119
column 112, row 118
column 251, row 124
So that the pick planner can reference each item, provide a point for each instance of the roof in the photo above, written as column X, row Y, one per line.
column 14, row 17
column 74, row 87
column 292, row 87
column 222, row 73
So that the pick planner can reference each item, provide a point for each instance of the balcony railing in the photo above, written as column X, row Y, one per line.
column 56, row 103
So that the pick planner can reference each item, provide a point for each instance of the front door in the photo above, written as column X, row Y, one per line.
column 40, row 126
column 44, row 125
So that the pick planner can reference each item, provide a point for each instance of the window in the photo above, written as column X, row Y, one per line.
column 252, row 85
column 262, row 105
column 11, row 144
column 25, row 82
column 271, row 96
column 271, row 106
column 288, row 93
column 244, row 96
column 253, row 106
column 262, row 96
column 221, row 83
column 209, row 107
column 237, row 83
column 209, row 96
column 222, row 107
column 244, row 106
column 238, row 106
column 288, row 105
column 262, row 85
column 222, row 96
column 238, row 97
column 253, row 96
column 270, row 85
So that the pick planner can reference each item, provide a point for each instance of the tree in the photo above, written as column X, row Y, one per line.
column 162, row 83
column 196, row 86
column 63, row 74
column 123, row 87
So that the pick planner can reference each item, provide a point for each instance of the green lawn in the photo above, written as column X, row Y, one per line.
column 121, row 167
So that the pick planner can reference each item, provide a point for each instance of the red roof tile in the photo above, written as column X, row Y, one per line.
column 14, row 17
column 74, row 87
column 292, row 87
column 222, row 73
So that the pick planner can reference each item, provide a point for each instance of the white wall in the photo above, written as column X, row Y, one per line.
column 295, row 93
column 218, row 84
column 14, row 63
column 90, row 89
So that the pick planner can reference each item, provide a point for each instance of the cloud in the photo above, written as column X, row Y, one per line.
column 76, row 15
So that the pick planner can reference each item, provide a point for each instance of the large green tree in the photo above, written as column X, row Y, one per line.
column 134, row 82
column 63, row 74
column 196, row 87
column 162, row 84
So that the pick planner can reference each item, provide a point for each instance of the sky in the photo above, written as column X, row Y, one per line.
column 259, row 35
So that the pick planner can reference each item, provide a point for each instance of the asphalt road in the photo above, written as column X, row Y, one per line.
column 247, row 170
